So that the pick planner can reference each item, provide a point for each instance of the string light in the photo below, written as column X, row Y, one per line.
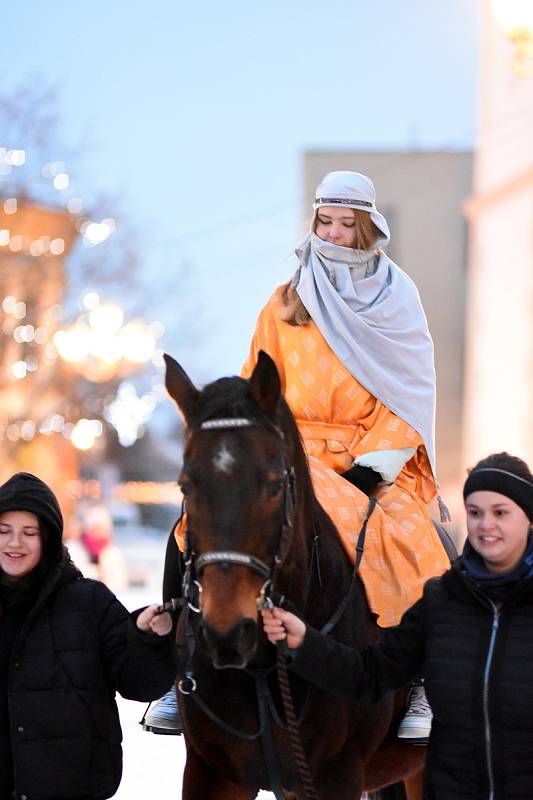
column 11, row 158
column 98, row 345
column 129, row 492
column 61, row 181
column 128, row 413
column 85, row 432
column 97, row 232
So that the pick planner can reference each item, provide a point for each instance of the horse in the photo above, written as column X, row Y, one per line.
column 255, row 530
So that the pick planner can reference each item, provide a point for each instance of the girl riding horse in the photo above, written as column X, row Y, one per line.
column 255, row 531
column 350, row 341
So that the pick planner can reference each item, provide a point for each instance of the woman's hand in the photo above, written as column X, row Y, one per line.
column 149, row 621
column 280, row 624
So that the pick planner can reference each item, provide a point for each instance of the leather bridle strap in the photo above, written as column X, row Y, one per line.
column 227, row 557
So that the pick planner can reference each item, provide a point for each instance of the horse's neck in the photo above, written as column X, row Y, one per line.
column 301, row 580
column 318, row 572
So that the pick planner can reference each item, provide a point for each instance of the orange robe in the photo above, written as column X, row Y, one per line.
column 340, row 420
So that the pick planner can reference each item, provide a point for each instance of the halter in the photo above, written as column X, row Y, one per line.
column 235, row 557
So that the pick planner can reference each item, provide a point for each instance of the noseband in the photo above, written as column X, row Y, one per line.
column 227, row 558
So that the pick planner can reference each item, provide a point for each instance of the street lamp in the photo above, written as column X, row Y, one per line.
column 515, row 18
column 100, row 347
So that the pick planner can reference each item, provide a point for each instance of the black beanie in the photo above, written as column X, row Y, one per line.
column 494, row 479
column 26, row 492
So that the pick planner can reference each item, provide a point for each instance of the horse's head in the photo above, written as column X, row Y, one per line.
column 237, row 483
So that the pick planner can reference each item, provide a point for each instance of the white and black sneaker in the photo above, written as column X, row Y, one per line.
column 163, row 716
column 416, row 725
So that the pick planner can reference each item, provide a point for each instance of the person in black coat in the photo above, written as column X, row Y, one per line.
column 470, row 635
column 66, row 646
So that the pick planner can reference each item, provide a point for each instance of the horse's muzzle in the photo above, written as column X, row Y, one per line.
column 233, row 649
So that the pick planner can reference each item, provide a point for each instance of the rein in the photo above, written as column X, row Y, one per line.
column 267, row 598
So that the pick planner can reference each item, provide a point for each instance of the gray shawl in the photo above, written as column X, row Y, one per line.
column 371, row 316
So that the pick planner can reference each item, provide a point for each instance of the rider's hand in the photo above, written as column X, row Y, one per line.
column 149, row 621
column 280, row 624
column 362, row 478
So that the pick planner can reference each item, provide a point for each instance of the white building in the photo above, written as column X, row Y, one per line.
column 499, row 332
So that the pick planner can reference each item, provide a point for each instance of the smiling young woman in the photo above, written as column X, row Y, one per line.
column 66, row 646
column 499, row 510
column 469, row 634
column 497, row 529
column 20, row 543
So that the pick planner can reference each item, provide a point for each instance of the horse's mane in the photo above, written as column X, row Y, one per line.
column 227, row 398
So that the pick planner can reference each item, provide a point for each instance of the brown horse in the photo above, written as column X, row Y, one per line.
column 254, row 526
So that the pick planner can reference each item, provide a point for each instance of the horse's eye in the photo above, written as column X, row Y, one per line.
column 274, row 488
column 184, row 488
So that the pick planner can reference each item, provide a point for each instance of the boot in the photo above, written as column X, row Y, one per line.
column 416, row 725
column 163, row 716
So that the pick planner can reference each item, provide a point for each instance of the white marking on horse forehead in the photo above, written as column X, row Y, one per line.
column 223, row 458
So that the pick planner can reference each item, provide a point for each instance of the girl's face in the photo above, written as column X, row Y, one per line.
column 498, row 529
column 336, row 225
column 20, row 543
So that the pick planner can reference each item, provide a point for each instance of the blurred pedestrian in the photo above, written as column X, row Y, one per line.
column 97, row 538
column 79, row 555
column 66, row 646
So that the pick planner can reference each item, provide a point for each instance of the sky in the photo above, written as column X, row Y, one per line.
column 195, row 117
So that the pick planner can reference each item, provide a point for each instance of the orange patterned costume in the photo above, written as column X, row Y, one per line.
column 340, row 420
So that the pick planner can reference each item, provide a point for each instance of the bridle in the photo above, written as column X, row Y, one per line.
column 195, row 564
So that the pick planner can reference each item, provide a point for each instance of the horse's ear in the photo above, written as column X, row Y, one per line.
column 180, row 387
column 265, row 387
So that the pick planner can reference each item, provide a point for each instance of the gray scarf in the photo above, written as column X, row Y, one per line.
column 371, row 316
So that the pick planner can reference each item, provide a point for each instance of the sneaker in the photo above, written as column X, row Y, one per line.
column 416, row 725
column 163, row 716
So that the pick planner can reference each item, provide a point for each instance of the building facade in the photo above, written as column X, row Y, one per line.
column 34, row 242
column 499, row 333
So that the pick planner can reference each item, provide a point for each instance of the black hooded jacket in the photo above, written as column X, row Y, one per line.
column 66, row 646
column 477, row 657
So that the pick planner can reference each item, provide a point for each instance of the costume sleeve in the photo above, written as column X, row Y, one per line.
column 138, row 665
column 381, row 429
column 371, row 672
column 266, row 337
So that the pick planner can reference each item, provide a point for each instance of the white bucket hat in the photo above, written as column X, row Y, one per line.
column 352, row 190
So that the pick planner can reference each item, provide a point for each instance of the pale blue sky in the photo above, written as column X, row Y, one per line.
column 196, row 115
